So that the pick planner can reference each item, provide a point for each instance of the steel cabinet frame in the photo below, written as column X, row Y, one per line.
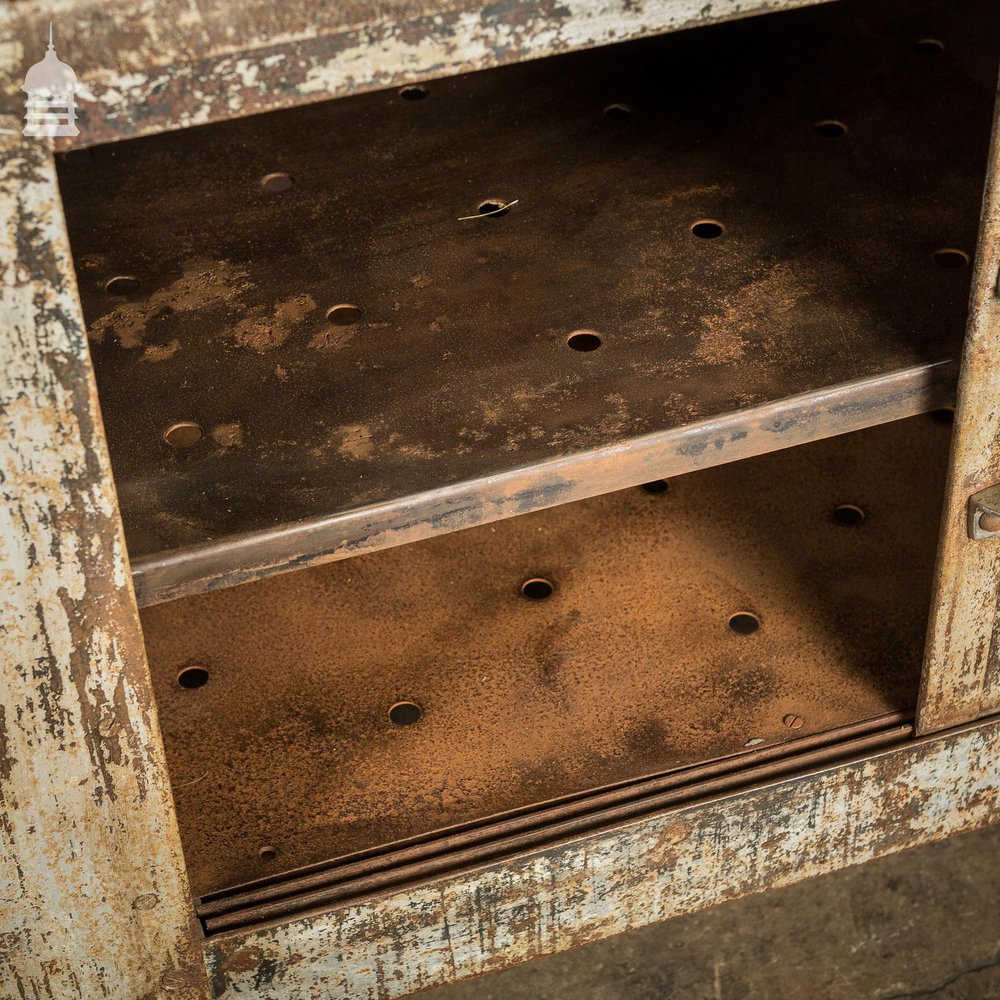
column 94, row 894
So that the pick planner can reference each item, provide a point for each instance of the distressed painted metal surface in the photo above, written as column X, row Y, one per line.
column 174, row 63
column 962, row 665
column 608, row 882
column 93, row 899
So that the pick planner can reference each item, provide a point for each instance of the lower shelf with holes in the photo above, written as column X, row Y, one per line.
column 326, row 713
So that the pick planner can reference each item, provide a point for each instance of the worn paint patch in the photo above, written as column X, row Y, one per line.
column 86, row 824
column 637, row 873
column 172, row 64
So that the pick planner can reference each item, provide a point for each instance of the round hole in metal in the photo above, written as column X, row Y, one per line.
column 405, row 713
column 583, row 340
column 183, row 434
column 492, row 206
column 618, row 112
column 344, row 314
column 537, row 588
column 122, row 284
column 848, row 515
column 657, row 486
column 413, row 92
column 192, row 676
column 277, row 182
column 929, row 46
column 744, row 622
column 267, row 853
column 708, row 229
column 951, row 258
column 830, row 128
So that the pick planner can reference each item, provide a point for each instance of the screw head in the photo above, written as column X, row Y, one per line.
column 108, row 725
column 793, row 721
column 989, row 521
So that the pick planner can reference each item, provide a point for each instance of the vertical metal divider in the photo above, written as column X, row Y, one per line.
column 959, row 682
column 94, row 899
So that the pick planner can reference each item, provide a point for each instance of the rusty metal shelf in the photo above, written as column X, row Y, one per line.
column 275, row 699
column 453, row 396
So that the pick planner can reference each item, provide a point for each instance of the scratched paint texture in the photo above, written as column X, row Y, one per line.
column 609, row 882
column 961, row 679
column 149, row 66
column 93, row 899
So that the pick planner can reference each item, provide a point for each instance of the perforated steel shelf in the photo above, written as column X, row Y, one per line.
column 631, row 666
column 833, row 154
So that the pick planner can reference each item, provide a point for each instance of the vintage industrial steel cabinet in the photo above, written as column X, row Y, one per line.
column 473, row 475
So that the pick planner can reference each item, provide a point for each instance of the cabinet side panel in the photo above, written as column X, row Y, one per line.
column 93, row 897
column 957, row 685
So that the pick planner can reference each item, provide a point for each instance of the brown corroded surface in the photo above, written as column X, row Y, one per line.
column 459, row 371
column 93, row 897
column 627, row 669
column 148, row 66
column 962, row 665
column 588, row 888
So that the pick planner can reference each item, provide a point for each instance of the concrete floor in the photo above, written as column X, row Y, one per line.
column 925, row 923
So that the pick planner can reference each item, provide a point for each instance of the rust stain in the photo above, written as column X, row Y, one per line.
column 161, row 352
column 244, row 960
column 227, row 435
column 203, row 285
column 355, row 441
column 265, row 329
column 332, row 338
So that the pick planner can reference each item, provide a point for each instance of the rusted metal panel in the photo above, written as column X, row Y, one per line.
column 521, row 832
column 290, row 743
column 456, row 397
column 592, row 887
column 962, row 667
column 93, row 898
column 174, row 63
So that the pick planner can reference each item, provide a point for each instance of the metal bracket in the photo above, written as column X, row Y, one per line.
column 984, row 513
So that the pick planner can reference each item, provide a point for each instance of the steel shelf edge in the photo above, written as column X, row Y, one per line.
column 728, row 437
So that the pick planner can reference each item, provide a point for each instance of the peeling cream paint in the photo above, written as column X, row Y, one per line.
column 86, row 823
column 172, row 64
column 637, row 873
